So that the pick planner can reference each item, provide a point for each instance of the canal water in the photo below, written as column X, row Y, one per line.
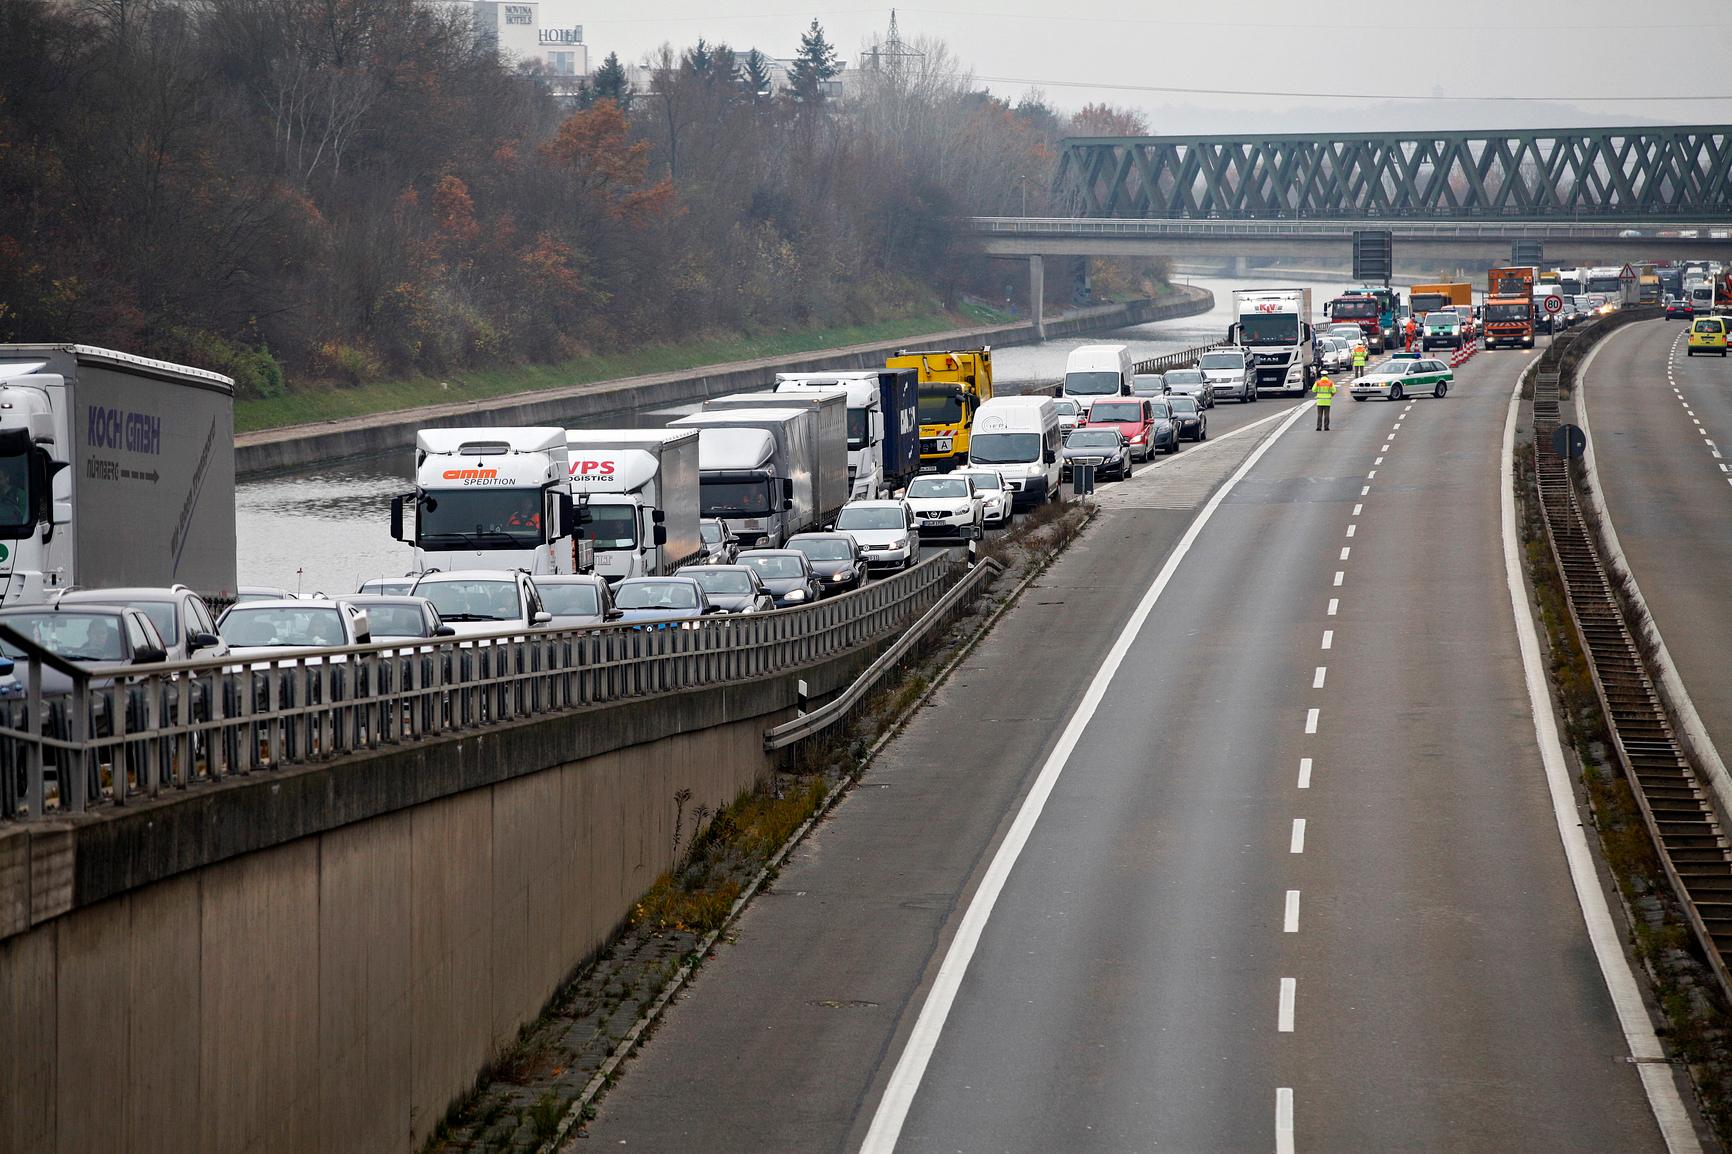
column 326, row 528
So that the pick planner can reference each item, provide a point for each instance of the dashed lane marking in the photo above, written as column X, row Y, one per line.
column 1290, row 917
column 1311, row 716
column 1284, row 1014
column 1296, row 844
column 1317, row 677
column 1335, row 602
column 1304, row 773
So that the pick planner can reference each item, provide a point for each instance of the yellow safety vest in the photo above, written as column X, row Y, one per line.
column 1324, row 391
column 1359, row 356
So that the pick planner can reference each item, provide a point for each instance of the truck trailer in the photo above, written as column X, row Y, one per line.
column 828, row 411
column 118, row 470
column 636, row 498
column 883, row 425
column 756, row 471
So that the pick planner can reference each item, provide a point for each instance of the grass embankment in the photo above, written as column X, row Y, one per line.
column 330, row 403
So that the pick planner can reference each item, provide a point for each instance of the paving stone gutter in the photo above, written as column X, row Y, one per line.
column 295, row 446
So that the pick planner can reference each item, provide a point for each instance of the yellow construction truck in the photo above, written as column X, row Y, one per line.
column 953, row 385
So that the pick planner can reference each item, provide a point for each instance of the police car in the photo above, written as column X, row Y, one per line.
column 1403, row 375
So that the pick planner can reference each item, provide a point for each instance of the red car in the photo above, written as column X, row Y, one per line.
column 1132, row 416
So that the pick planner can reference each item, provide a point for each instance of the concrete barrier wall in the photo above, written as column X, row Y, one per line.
column 337, row 992
column 301, row 445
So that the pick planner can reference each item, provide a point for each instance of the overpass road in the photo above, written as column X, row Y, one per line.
column 1301, row 865
column 1662, row 432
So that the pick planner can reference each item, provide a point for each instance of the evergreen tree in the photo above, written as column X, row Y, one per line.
column 610, row 83
column 817, row 62
column 700, row 59
column 755, row 74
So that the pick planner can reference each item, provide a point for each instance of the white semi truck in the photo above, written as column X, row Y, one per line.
column 1275, row 326
column 827, row 413
column 117, row 470
column 757, row 471
column 491, row 498
column 636, row 496
column 883, row 425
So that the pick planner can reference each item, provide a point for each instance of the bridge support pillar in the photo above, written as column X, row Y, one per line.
column 1237, row 267
column 1037, row 296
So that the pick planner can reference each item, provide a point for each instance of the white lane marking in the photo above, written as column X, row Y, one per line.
column 1297, row 844
column 1289, row 994
column 1398, row 423
column 1385, row 448
column 1364, row 490
column 1335, row 602
column 1284, row 1120
column 1317, row 677
column 1371, row 476
column 1290, row 917
column 1340, row 577
column 1328, row 638
column 1311, row 716
column 1357, row 509
column 1651, row 1064
column 1352, row 529
column 1304, row 773
column 1379, row 461
column 1345, row 551
column 910, row 1069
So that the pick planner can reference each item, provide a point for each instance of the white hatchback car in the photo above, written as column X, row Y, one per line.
column 946, row 504
column 994, row 497
column 885, row 530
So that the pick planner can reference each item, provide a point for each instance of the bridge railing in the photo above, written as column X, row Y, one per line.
column 1183, row 359
column 126, row 732
column 1077, row 226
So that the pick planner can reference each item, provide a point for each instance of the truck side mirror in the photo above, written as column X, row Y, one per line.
column 396, row 518
column 787, row 488
column 661, row 535
column 657, row 516
column 567, row 515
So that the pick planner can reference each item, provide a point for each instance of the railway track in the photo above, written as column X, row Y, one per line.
column 1674, row 804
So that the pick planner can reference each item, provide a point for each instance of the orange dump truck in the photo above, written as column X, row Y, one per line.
column 1508, row 319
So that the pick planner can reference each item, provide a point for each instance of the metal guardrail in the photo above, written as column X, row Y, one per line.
column 126, row 732
column 1183, row 359
column 1675, row 807
column 1563, row 229
column 835, row 709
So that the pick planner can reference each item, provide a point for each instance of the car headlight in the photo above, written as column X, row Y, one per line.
column 839, row 577
column 962, row 512
column 796, row 595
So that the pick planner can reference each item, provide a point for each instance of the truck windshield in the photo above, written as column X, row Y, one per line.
column 1004, row 448
column 1357, row 308
column 1269, row 329
column 480, row 519
column 940, row 407
column 1092, row 384
column 1603, row 284
column 612, row 526
column 1506, row 312
column 15, row 493
column 859, row 427
column 1429, row 302
column 1570, row 286
column 734, row 498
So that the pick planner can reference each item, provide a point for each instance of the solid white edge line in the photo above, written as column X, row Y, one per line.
column 1290, row 916
column 1304, row 773
column 1284, row 1120
column 1656, row 1074
column 1284, row 1014
column 1695, row 730
column 910, row 1070
column 1296, row 844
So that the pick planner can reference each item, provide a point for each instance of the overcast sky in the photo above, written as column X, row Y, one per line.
column 1609, row 62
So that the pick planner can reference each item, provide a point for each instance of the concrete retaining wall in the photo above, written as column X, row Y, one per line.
column 323, row 960
column 302, row 445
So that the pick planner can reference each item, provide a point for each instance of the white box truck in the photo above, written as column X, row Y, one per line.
column 490, row 498
column 828, row 413
column 762, row 485
column 883, row 425
column 636, row 495
column 1274, row 325
column 118, row 470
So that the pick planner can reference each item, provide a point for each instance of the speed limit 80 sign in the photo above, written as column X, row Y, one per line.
column 1554, row 304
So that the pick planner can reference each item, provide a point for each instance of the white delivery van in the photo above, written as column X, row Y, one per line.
column 1098, row 371
column 1019, row 437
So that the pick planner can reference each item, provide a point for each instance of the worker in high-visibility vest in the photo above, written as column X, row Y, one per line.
column 1412, row 332
column 1324, row 391
column 1359, row 356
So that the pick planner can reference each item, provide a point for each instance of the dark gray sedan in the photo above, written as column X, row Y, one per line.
column 786, row 574
column 1189, row 418
column 1164, row 436
column 731, row 588
column 1105, row 449
column 835, row 558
